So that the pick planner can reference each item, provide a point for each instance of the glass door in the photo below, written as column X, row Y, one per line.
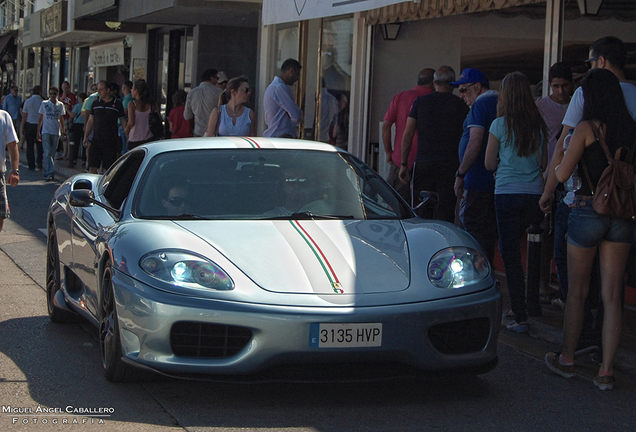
column 324, row 48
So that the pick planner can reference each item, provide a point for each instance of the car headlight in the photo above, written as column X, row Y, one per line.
column 457, row 267
column 185, row 269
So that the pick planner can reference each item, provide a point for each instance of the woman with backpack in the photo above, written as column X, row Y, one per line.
column 605, row 120
column 517, row 149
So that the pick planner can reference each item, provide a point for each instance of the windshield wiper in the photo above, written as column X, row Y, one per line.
column 307, row 215
column 183, row 216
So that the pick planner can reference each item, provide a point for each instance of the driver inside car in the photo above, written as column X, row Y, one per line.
column 298, row 190
column 176, row 201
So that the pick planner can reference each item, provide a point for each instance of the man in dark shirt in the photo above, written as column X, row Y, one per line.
column 438, row 118
column 104, row 115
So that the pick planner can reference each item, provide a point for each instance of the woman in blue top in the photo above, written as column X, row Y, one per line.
column 517, row 149
column 232, row 117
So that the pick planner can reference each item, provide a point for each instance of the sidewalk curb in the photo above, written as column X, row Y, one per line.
column 625, row 360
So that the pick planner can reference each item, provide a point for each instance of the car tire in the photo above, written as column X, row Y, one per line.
column 53, row 284
column 114, row 368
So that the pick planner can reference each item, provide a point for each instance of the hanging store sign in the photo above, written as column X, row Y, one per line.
column 111, row 54
column 281, row 11
column 53, row 19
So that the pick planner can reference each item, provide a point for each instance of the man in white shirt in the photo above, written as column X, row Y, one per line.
column 282, row 115
column 29, row 128
column 201, row 100
column 9, row 140
column 49, row 126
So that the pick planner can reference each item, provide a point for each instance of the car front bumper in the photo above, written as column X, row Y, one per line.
column 427, row 336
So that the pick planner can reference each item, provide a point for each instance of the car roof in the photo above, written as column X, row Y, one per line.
column 236, row 143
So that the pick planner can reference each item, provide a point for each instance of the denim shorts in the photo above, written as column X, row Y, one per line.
column 587, row 229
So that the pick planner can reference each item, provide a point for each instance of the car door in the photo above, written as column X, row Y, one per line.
column 91, row 223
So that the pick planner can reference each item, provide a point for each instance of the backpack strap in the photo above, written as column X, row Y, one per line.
column 601, row 140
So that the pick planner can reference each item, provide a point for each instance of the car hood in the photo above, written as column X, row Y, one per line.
column 324, row 257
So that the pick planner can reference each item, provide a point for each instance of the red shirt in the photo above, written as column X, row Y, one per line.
column 181, row 128
column 398, row 113
column 69, row 101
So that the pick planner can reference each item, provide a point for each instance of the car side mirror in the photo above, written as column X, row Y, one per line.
column 82, row 198
column 86, row 198
column 429, row 200
column 82, row 184
column 426, row 208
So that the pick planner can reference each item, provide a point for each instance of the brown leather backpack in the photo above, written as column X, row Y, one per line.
column 615, row 192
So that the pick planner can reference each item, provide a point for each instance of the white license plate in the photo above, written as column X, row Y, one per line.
column 345, row 335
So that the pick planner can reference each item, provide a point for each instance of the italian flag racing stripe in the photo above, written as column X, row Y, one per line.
column 251, row 142
column 320, row 256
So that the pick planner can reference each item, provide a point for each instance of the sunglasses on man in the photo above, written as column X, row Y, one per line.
column 464, row 89
column 589, row 61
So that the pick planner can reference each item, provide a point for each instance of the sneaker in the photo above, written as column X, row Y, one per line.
column 558, row 303
column 508, row 314
column 516, row 327
column 50, row 178
column 605, row 382
column 552, row 362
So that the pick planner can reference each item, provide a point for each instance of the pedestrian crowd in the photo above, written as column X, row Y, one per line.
column 521, row 158
column 497, row 159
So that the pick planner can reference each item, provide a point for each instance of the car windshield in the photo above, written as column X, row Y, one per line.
column 264, row 184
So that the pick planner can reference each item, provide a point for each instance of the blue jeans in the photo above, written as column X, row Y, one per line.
column 49, row 145
column 515, row 213
column 477, row 213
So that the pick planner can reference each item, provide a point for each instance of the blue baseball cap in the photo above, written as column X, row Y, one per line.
column 471, row 75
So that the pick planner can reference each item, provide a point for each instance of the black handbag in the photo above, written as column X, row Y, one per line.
column 155, row 124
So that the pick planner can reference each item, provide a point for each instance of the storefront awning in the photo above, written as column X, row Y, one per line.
column 4, row 41
column 279, row 11
column 424, row 9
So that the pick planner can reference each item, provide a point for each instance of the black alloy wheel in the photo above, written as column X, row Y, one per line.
column 109, row 338
column 53, row 284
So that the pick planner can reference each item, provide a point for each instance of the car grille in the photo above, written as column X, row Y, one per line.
column 460, row 337
column 203, row 340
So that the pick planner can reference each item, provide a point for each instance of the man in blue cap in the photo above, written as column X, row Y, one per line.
column 474, row 184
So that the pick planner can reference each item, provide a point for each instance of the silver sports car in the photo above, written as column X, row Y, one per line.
column 234, row 256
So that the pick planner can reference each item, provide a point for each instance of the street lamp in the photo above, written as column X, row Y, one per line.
column 589, row 7
column 390, row 31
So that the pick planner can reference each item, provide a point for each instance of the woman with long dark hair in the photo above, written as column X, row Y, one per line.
column 232, row 117
column 138, row 129
column 517, row 149
column 605, row 118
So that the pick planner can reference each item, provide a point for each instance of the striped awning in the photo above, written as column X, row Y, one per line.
column 425, row 9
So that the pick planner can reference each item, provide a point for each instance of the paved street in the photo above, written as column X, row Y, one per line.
column 57, row 366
